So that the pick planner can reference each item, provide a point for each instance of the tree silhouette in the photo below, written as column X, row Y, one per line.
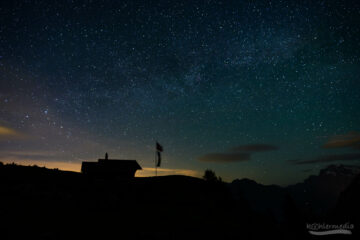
column 210, row 176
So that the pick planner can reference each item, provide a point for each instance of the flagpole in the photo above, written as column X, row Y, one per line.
column 155, row 164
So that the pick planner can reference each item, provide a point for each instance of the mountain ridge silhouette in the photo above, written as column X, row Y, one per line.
column 166, row 207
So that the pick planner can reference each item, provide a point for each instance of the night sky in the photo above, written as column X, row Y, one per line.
column 267, row 90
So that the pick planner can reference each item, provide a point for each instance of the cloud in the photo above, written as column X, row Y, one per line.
column 329, row 158
column 225, row 157
column 255, row 148
column 356, row 147
column 237, row 154
column 349, row 140
column 8, row 133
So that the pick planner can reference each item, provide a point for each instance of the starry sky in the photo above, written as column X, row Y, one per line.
column 267, row 90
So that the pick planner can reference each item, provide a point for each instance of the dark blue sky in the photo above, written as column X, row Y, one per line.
column 267, row 90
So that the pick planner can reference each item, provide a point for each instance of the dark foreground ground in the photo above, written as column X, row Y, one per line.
column 39, row 203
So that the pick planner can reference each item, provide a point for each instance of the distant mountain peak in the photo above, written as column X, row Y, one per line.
column 340, row 170
column 244, row 181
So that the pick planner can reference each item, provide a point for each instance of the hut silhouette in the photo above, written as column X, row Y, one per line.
column 111, row 168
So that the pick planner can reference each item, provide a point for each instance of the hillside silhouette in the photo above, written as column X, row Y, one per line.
column 347, row 208
column 46, row 203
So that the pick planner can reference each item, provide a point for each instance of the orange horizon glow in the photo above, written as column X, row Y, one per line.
column 76, row 167
column 65, row 166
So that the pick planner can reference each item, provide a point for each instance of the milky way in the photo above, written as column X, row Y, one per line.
column 81, row 78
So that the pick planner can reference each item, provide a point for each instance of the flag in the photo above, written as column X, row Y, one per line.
column 159, row 148
column 159, row 159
